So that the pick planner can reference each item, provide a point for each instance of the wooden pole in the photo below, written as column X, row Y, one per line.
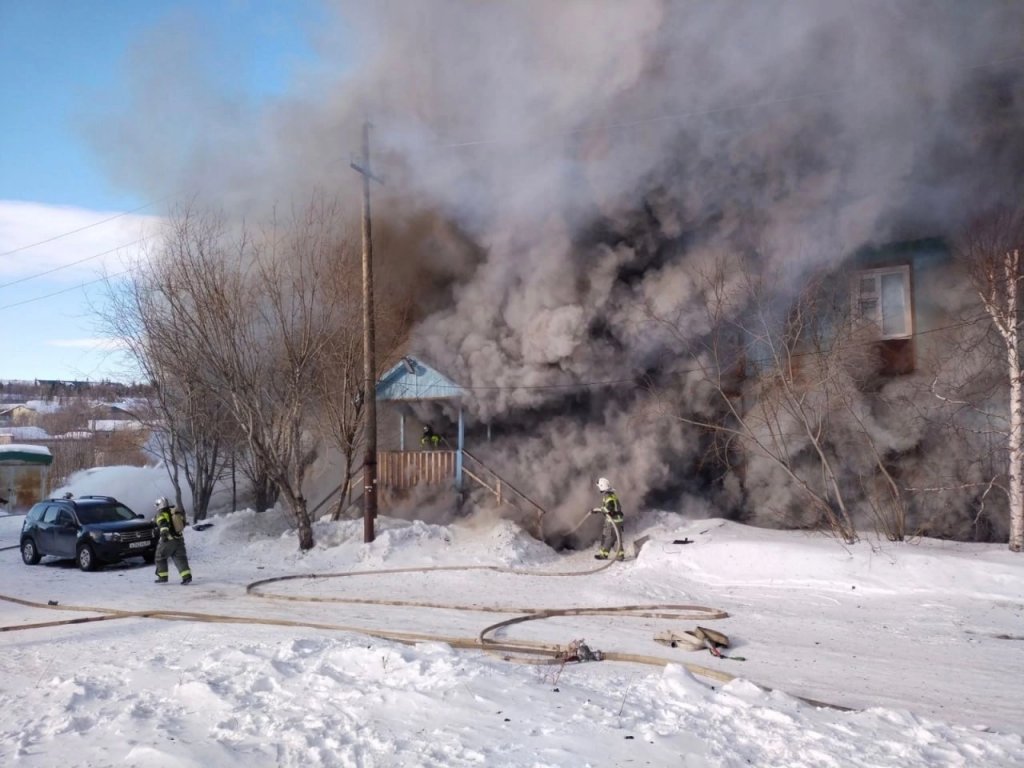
column 369, row 357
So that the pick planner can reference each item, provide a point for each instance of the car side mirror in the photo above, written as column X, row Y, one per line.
column 138, row 516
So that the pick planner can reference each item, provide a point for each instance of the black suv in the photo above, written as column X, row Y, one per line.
column 92, row 529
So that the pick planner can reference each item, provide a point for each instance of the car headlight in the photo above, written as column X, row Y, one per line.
column 101, row 536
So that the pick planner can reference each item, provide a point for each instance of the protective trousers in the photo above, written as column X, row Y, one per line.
column 173, row 549
column 608, row 537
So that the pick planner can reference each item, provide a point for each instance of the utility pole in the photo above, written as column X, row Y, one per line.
column 369, row 356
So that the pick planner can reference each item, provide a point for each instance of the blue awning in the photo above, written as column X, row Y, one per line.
column 412, row 379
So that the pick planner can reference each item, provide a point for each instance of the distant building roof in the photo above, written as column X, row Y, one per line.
column 77, row 435
column 412, row 379
column 43, row 406
column 25, row 433
column 114, row 425
column 15, row 455
column 14, row 407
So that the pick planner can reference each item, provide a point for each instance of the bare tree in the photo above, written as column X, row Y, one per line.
column 187, row 418
column 253, row 468
column 992, row 252
column 259, row 317
column 343, row 401
column 783, row 372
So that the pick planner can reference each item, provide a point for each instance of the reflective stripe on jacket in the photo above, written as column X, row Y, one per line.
column 612, row 507
column 164, row 523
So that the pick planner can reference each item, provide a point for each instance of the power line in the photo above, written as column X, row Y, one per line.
column 74, row 263
column 577, row 384
column 80, row 229
column 63, row 290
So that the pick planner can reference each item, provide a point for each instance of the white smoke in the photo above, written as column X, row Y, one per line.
column 589, row 159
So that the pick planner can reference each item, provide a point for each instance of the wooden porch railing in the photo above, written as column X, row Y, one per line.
column 401, row 470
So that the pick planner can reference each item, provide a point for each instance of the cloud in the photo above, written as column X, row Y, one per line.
column 74, row 244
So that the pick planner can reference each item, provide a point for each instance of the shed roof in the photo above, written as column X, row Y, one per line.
column 16, row 455
column 10, row 408
column 412, row 379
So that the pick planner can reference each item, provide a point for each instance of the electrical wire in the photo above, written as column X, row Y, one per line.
column 80, row 229
column 471, row 143
column 64, row 290
column 74, row 263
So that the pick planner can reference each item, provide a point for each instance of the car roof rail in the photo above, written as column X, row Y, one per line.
column 104, row 498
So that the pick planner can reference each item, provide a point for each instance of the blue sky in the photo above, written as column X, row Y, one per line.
column 60, row 58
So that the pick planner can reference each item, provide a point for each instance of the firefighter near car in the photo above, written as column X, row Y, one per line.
column 93, row 530
column 170, row 522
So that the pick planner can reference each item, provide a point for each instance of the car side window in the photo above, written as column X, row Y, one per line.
column 50, row 516
column 64, row 518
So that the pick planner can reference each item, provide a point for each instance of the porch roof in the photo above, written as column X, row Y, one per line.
column 412, row 379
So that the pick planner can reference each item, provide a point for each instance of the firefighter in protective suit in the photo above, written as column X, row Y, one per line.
column 171, row 523
column 611, row 508
column 430, row 440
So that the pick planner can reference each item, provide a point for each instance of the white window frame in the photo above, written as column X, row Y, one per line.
column 856, row 298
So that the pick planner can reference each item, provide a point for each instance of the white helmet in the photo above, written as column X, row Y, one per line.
column 161, row 503
column 604, row 484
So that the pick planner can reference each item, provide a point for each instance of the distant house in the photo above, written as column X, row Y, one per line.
column 18, row 414
column 107, row 426
column 23, row 474
column 22, row 434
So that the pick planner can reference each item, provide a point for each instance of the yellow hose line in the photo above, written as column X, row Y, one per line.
column 407, row 638
column 549, row 654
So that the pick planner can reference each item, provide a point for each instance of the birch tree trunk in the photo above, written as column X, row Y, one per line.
column 1011, row 335
column 990, row 252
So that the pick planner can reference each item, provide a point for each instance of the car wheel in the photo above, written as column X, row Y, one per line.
column 29, row 554
column 86, row 558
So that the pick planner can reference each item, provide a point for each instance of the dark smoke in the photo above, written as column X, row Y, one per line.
column 557, row 170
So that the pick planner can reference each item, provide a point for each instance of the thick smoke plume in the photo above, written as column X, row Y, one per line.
column 557, row 171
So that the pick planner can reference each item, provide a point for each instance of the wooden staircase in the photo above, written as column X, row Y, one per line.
column 504, row 492
column 402, row 470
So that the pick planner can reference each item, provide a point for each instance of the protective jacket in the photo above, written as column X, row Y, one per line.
column 611, row 507
column 165, row 523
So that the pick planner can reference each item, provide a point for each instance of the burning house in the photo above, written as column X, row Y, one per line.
column 588, row 196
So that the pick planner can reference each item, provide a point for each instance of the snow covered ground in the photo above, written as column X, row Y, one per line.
column 923, row 642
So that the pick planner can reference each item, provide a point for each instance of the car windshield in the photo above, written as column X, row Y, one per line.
column 107, row 513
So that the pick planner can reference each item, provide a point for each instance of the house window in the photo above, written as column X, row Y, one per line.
column 882, row 297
